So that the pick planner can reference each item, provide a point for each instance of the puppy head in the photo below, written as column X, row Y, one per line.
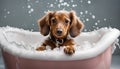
column 60, row 24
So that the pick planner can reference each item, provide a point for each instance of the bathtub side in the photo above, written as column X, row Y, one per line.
column 102, row 61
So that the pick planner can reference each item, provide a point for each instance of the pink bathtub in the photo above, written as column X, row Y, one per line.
column 96, row 56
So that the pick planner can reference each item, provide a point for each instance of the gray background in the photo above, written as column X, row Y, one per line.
column 16, row 13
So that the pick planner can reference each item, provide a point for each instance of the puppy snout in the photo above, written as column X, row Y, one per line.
column 59, row 31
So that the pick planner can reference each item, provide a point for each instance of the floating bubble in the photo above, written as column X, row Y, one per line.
column 90, row 13
column 59, row 5
column 51, row 5
column 93, row 26
column 28, row 0
column 61, row 1
column 4, row 9
column 48, row 3
column 65, row 3
column 8, row 12
column 86, row 12
column 71, row 0
column 97, row 27
column 87, row 19
column 29, row 12
column 105, row 19
column 81, row 1
column 68, row 5
column 93, row 16
column 33, row 24
column 96, row 23
column 74, row 5
column 31, row 9
column 81, row 13
column 89, row 2
column 36, row 1
column 85, row 30
column 28, row 6
column 5, row 16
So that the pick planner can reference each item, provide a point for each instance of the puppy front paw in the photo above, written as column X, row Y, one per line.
column 41, row 48
column 69, row 50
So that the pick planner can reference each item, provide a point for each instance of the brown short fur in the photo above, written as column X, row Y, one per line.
column 55, row 22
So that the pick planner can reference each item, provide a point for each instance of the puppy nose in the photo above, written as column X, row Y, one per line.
column 59, row 31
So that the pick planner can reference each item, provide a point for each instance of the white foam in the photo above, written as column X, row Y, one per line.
column 23, row 43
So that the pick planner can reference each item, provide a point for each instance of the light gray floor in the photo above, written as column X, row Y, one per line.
column 115, row 62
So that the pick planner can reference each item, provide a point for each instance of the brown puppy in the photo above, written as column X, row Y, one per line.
column 60, row 24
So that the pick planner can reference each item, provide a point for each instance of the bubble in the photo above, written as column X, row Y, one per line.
column 65, row 3
column 5, row 16
column 90, row 13
column 59, row 5
column 51, row 5
column 8, row 12
column 81, row 13
column 96, row 23
column 61, row 1
column 105, row 19
column 4, row 9
column 81, row 1
column 36, row 1
column 33, row 24
column 93, row 16
column 85, row 30
column 29, row 12
column 93, row 26
column 28, row 0
column 87, row 19
column 74, row 5
column 97, row 27
column 86, row 12
column 68, row 5
column 71, row 0
column 48, row 3
column 89, row 2
column 31, row 9
column 28, row 6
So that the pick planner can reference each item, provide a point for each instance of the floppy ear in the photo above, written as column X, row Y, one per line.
column 43, row 24
column 76, row 25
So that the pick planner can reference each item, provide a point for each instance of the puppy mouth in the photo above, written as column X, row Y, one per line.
column 58, row 35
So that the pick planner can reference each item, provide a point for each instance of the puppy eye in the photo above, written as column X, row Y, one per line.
column 54, row 21
column 66, row 21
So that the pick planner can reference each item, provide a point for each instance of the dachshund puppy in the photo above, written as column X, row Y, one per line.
column 60, row 25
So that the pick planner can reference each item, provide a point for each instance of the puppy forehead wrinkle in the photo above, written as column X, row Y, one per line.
column 61, row 16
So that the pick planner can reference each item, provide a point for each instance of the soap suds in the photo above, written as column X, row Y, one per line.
column 25, row 41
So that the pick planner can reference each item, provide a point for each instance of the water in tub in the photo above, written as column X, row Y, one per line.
column 85, row 15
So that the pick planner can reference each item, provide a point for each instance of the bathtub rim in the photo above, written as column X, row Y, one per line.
column 98, row 51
